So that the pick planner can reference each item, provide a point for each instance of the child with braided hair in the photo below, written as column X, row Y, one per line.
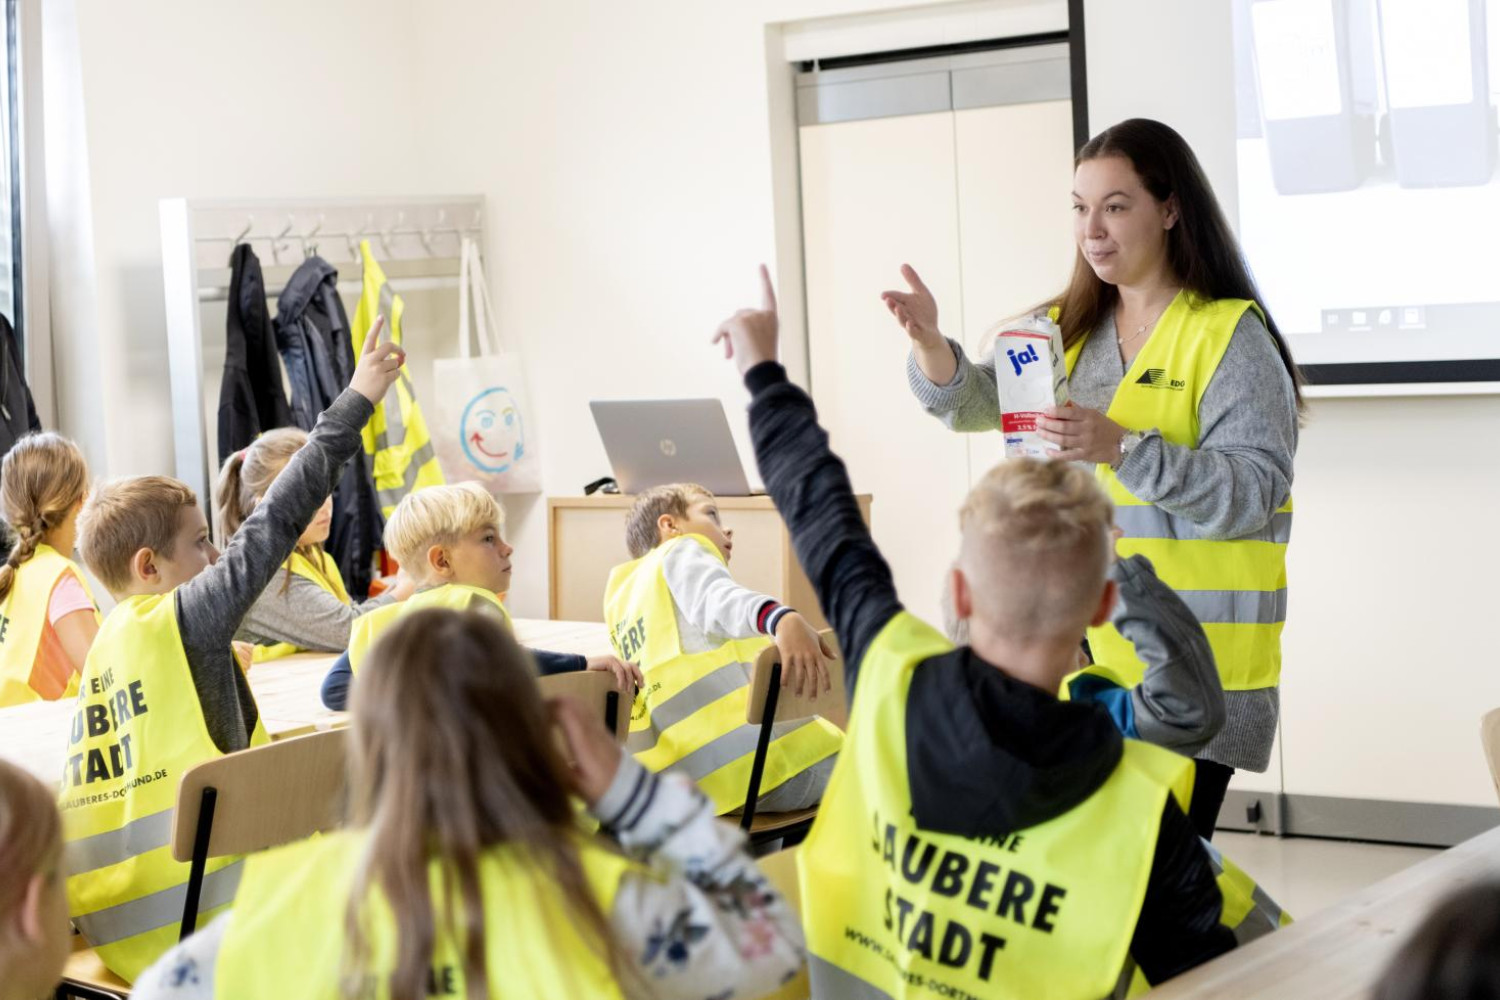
column 48, row 616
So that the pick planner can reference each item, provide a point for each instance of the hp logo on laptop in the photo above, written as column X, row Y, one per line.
column 668, row 447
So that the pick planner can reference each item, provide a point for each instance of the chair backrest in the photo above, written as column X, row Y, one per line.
column 830, row 704
column 265, row 796
column 595, row 688
column 1489, row 733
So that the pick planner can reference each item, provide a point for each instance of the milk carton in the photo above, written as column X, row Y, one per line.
column 1030, row 374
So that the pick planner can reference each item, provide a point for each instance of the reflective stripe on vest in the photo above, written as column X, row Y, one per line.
column 690, row 716
column 327, row 577
column 291, row 905
column 894, row 911
column 23, row 620
column 396, row 435
column 1248, row 910
column 138, row 727
column 1236, row 586
column 370, row 626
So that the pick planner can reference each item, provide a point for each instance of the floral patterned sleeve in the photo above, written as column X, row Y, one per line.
column 703, row 923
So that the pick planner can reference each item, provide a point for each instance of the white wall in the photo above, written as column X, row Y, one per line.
column 626, row 153
column 184, row 98
column 1391, row 565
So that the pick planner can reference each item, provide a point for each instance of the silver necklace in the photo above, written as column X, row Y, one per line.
column 1142, row 329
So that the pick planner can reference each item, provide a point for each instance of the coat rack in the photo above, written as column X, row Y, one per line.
column 421, row 237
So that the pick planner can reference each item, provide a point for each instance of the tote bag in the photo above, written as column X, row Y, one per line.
column 482, row 428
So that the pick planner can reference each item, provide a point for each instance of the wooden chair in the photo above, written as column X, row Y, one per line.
column 771, row 703
column 256, row 799
column 781, row 869
column 595, row 688
column 237, row 804
column 1489, row 734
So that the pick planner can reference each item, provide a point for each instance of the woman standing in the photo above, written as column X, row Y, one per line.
column 1185, row 396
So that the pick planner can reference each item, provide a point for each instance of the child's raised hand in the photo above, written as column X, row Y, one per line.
column 804, row 656
column 627, row 675
column 591, row 747
column 379, row 365
column 749, row 336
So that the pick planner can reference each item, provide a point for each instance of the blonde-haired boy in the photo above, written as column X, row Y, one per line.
column 979, row 833
column 696, row 633
column 448, row 540
column 161, row 689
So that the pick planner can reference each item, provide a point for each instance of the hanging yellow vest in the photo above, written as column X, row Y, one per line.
column 894, row 911
column 1236, row 587
column 23, row 619
column 137, row 728
column 327, row 577
column 690, row 716
column 396, row 435
column 1248, row 910
column 291, row 905
column 454, row 596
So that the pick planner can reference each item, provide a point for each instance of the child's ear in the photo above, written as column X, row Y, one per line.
column 437, row 561
column 1106, row 606
column 31, row 917
column 143, row 566
column 666, row 527
column 963, row 597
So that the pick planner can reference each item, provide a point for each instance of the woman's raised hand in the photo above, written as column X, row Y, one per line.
column 915, row 310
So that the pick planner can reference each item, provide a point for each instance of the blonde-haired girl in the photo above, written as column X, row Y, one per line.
column 48, row 616
column 464, row 870
column 307, row 607
column 35, row 935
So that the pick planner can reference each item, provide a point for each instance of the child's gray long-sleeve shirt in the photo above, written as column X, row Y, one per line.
column 211, row 606
column 1230, row 485
column 302, row 613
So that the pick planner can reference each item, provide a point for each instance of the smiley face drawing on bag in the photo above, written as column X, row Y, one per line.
column 492, row 431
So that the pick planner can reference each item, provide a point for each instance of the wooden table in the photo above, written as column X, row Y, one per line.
column 1339, row 953
column 287, row 690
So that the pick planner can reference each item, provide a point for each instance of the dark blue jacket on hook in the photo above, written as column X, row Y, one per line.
column 312, row 334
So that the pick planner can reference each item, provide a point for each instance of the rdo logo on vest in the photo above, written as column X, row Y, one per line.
column 1156, row 378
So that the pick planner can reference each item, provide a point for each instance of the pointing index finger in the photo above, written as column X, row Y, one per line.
column 373, row 337
column 767, row 292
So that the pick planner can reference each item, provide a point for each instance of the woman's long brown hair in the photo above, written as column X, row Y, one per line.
column 1201, row 249
column 453, row 752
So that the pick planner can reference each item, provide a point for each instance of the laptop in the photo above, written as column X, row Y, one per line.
column 651, row 442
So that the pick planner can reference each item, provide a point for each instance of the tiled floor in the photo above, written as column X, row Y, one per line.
column 1305, row 875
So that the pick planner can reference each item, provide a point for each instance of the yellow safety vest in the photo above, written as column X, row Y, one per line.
column 892, row 910
column 1236, row 586
column 454, row 596
column 23, row 619
column 690, row 716
column 327, row 577
column 396, row 435
column 138, row 728
column 292, row 901
column 1248, row 910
